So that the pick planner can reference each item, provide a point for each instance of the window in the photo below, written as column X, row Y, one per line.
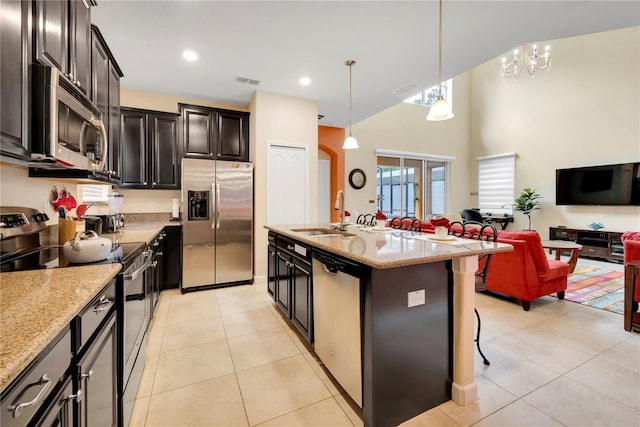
column 92, row 193
column 411, row 184
column 496, row 183
column 429, row 96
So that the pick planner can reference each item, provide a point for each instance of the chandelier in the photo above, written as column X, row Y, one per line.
column 531, row 62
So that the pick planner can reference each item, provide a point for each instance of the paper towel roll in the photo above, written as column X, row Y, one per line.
column 175, row 211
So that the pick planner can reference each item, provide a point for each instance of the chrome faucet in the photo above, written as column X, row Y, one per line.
column 340, row 206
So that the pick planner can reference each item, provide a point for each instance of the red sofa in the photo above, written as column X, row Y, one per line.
column 525, row 272
column 631, row 243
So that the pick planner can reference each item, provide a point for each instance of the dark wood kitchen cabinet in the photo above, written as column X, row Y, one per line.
column 293, row 283
column 62, row 38
column 105, row 94
column 149, row 149
column 212, row 133
column 15, row 102
column 172, row 257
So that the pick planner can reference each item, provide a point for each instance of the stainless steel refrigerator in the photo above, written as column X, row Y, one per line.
column 217, row 223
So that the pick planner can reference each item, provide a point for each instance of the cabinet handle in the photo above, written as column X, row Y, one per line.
column 102, row 305
column 78, row 396
column 144, row 183
column 88, row 376
column 46, row 381
column 154, row 183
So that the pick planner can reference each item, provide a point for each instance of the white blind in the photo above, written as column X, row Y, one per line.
column 92, row 193
column 496, row 183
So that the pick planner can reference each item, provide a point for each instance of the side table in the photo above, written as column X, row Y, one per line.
column 561, row 245
column 631, row 270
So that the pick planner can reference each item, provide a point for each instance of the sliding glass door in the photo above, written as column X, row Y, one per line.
column 402, row 189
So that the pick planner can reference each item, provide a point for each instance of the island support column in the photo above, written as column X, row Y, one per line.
column 464, row 390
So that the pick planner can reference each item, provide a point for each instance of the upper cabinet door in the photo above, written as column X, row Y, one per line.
column 52, row 29
column 80, row 45
column 233, row 136
column 15, row 102
column 133, row 143
column 199, row 135
column 163, row 146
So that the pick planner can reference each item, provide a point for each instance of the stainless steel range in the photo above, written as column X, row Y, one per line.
column 21, row 250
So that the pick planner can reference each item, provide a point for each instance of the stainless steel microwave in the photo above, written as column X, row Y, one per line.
column 67, row 128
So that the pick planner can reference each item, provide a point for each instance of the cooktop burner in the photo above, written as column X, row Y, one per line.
column 52, row 257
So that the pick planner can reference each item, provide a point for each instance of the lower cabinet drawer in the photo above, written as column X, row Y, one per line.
column 89, row 319
column 32, row 390
column 594, row 251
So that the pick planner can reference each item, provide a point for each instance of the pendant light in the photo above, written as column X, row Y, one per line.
column 440, row 110
column 350, row 143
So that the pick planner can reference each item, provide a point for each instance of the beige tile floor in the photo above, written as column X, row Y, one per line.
column 226, row 357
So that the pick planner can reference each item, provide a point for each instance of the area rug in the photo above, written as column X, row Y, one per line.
column 596, row 287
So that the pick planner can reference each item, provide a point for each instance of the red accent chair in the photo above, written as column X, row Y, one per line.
column 631, row 243
column 525, row 272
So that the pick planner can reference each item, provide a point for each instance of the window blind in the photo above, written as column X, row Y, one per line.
column 92, row 193
column 496, row 183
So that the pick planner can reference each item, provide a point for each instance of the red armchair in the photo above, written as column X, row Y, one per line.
column 525, row 272
column 631, row 243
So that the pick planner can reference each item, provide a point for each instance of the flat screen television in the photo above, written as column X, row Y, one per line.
column 612, row 185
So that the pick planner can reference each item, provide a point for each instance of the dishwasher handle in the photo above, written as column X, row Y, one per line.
column 333, row 264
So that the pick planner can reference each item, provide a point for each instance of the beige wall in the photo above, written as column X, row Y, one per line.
column 585, row 111
column 279, row 118
column 168, row 103
column 404, row 128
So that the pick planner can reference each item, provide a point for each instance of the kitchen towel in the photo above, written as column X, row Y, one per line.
column 175, row 211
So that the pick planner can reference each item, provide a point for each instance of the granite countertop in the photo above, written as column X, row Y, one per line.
column 139, row 231
column 36, row 305
column 389, row 248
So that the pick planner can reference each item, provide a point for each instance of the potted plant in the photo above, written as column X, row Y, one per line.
column 526, row 202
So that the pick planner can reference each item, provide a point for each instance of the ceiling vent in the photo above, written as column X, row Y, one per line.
column 247, row 81
column 405, row 89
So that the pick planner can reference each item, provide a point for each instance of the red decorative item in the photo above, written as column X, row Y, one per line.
column 440, row 222
column 347, row 213
column 380, row 215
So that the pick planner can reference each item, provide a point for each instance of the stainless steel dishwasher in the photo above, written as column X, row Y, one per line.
column 337, row 319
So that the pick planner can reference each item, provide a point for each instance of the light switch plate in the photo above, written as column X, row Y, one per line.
column 415, row 298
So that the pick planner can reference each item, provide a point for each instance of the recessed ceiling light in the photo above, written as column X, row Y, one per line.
column 305, row 81
column 189, row 55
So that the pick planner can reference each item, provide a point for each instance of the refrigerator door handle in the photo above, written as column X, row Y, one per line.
column 214, row 206
column 217, row 205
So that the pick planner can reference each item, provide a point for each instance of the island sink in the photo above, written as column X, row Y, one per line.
column 321, row 232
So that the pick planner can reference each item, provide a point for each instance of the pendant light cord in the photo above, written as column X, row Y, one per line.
column 440, row 52
column 350, row 63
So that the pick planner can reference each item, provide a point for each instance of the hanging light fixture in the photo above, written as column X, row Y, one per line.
column 440, row 110
column 350, row 143
column 522, row 59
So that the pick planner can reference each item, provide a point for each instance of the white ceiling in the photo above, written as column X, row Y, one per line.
column 394, row 43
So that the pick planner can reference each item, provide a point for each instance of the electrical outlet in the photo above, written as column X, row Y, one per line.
column 415, row 298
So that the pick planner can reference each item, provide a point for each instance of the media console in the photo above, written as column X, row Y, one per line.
column 605, row 245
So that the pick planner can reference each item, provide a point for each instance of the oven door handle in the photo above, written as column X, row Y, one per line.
column 135, row 274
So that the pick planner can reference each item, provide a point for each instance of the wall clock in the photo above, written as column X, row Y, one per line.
column 357, row 178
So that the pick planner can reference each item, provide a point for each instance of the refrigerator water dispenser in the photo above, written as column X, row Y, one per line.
column 198, row 205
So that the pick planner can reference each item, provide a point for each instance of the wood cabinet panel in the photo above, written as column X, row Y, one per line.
column 52, row 33
column 163, row 134
column 15, row 45
column 149, row 147
column 213, row 133
column 133, row 142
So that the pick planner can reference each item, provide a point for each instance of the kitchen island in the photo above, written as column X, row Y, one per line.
column 411, row 306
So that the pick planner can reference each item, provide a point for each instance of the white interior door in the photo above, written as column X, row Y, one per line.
column 287, row 184
column 324, row 190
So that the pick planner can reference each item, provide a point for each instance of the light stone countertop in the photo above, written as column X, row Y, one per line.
column 36, row 305
column 389, row 248
column 139, row 231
